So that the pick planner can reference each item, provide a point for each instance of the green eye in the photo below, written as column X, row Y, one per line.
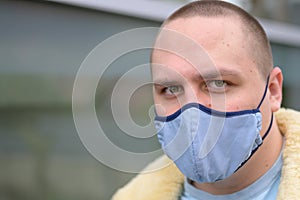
column 173, row 89
column 216, row 85
column 219, row 83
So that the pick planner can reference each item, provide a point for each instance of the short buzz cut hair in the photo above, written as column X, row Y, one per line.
column 260, row 47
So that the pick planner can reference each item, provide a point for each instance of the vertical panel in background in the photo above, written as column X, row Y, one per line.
column 42, row 47
column 287, row 58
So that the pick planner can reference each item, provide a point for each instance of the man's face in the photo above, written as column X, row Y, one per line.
column 230, row 81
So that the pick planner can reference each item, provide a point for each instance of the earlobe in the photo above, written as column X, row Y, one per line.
column 275, row 89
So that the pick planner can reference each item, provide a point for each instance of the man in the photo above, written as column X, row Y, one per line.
column 215, row 114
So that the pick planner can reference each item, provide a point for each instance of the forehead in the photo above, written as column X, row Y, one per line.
column 210, row 31
column 221, row 43
column 168, row 67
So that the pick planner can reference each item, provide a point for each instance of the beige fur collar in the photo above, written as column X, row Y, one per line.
column 167, row 183
column 289, row 124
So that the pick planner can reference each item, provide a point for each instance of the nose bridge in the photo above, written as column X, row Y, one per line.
column 193, row 94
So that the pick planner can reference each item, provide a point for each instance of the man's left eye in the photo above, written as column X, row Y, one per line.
column 216, row 84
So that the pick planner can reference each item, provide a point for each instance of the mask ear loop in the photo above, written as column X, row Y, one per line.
column 265, row 93
column 271, row 121
column 258, row 107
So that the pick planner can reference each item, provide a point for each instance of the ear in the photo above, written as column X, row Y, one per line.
column 275, row 89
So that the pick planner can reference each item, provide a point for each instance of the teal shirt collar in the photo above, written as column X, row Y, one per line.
column 266, row 187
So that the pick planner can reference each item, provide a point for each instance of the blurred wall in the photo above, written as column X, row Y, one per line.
column 42, row 45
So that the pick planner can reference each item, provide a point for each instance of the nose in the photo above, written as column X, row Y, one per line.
column 194, row 94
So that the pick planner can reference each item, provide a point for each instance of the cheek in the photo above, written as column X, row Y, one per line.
column 165, row 107
column 237, row 107
column 160, row 110
column 242, row 102
column 232, row 107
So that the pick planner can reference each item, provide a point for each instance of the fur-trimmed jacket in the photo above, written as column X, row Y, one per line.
column 167, row 183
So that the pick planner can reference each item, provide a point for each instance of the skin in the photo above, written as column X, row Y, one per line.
column 238, row 86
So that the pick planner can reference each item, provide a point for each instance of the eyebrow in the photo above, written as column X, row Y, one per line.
column 165, row 82
column 218, row 73
column 212, row 74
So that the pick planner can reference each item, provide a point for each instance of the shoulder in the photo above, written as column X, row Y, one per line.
column 159, row 180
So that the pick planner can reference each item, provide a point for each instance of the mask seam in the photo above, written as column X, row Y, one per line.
column 205, row 110
column 255, row 150
column 196, row 125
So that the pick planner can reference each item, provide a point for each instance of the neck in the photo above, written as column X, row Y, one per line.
column 253, row 169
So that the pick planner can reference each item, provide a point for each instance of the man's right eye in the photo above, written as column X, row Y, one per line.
column 172, row 90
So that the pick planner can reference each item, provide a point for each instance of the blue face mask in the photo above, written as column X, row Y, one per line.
column 209, row 145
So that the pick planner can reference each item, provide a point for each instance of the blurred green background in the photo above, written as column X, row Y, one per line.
column 42, row 45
